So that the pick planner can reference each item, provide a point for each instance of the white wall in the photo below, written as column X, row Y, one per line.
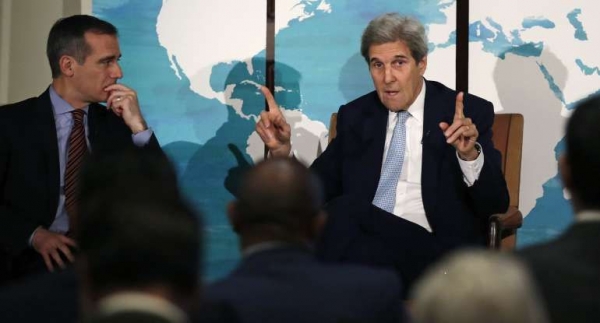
column 24, row 27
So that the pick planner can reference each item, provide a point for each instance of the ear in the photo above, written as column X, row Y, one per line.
column 67, row 65
column 422, row 66
column 233, row 216
column 564, row 168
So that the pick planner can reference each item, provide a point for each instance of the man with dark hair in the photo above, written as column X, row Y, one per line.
column 412, row 172
column 140, row 262
column 567, row 268
column 277, row 217
column 44, row 140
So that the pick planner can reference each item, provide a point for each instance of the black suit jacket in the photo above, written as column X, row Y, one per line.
column 567, row 273
column 48, row 297
column 130, row 317
column 29, row 165
column 289, row 285
column 351, row 165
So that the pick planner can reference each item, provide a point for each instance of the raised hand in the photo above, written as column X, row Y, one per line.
column 272, row 128
column 123, row 102
column 462, row 133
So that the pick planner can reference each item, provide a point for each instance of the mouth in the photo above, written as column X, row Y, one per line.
column 391, row 93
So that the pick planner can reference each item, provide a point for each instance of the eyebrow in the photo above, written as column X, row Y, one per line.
column 109, row 58
column 395, row 57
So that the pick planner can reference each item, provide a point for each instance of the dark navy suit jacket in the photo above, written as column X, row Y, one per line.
column 289, row 285
column 351, row 166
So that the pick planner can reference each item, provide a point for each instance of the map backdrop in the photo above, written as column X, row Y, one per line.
column 195, row 65
column 539, row 61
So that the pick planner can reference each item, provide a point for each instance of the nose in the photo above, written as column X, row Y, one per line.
column 116, row 71
column 388, row 76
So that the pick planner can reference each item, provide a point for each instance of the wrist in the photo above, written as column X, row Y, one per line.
column 33, row 236
column 471, row 154
column 282, row 151
column 138, row 127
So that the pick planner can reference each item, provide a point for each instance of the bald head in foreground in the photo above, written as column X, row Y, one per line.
column 278, row 217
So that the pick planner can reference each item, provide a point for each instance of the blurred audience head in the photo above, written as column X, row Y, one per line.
column 580, row 164
column 477, row 286
column 279, row 199
column 136, row 233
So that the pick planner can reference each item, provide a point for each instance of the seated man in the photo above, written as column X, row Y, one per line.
column 566, row 269
column 277, row 217
column 44, row 141
column 413, row 171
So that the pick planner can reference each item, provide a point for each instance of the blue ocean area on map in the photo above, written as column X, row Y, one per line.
column 574, row 20
column 551, row 83
column 498, row 43
column 537, row 22
column 587, row 70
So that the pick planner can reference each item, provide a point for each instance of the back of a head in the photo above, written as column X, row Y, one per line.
column 135, row 229
column 127, row 174
column 477, row 286
column 279, row 195
column 583, row 152
column 132, row 246
column 67, row 37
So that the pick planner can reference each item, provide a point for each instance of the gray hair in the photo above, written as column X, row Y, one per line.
column 392, row 27
column 477, row 286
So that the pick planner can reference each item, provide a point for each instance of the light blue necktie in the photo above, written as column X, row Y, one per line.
column 385, row 197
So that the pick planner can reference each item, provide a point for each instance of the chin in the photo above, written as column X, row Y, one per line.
column 102, row 98
column 393, row 108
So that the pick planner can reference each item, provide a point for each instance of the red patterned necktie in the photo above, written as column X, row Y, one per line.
column 76, row 152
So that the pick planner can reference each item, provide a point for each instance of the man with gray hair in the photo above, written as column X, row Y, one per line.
column 405, row 179
column 475, row 286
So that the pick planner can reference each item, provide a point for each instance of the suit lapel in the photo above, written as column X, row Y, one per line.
column 434, row 144
column 44, row 125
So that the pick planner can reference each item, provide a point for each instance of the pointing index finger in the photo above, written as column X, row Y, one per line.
column 270, row 99
column 458, row 112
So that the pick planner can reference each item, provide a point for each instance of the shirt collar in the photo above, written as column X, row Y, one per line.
column 588, row 216
column 60, row 106
column 263, row 246
column 416, row 108
column 128, row 301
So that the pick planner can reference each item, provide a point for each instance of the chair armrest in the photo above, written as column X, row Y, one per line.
column 501, row 223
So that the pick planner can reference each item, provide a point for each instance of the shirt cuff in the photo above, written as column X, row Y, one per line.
column 471, row 168
column 142, row 138
column 31, row 236
column 290, row 155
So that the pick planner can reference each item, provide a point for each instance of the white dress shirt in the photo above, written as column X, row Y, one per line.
column 409, row 201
